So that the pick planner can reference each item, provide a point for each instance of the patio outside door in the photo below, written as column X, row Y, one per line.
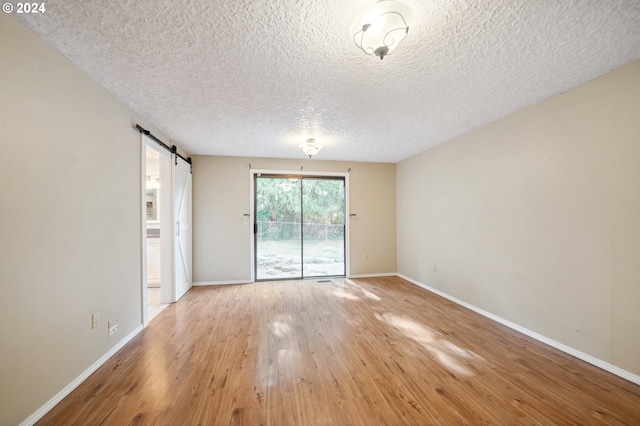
column 299, row 227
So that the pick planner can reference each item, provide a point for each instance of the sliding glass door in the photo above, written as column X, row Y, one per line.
column 300, row 227
column 322, row 227
column 277, row 228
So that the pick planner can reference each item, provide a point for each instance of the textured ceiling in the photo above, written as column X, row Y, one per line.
column 257, row 78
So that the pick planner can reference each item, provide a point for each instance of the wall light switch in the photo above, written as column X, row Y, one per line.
column 95, row 319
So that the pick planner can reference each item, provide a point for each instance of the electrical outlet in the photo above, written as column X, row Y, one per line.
column 113, row 326
column 95, row 320
column 365, row 257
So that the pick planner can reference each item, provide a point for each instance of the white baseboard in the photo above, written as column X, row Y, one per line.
column 388, row 274
column 560, row 346
column 206, row 283
column 78, row 380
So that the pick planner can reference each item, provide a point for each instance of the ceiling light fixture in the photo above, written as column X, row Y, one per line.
column 380, row 29
column 153, row 182
column 310, row 147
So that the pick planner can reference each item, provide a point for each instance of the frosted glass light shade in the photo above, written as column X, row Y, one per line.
column 310, row 147
column 380, row 29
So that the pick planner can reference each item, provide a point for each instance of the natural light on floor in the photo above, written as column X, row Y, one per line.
column 450, row 355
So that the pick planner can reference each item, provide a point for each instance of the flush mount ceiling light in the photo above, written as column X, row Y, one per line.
column 380, row 29
column 310, row 147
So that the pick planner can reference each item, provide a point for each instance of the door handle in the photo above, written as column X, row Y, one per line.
column 178, row 228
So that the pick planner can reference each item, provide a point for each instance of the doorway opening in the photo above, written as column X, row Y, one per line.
column 166, row 215
column 299, row 226
column 157, row 285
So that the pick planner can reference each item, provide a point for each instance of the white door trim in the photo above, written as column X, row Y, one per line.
column 143, row 229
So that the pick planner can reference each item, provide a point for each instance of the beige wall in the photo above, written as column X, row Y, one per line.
column 536, row 218
column 221, row 196
column 69, row 221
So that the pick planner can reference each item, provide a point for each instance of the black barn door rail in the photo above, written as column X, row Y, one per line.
column 173, row 149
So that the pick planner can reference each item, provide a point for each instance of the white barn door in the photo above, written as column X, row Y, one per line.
column 181, row 184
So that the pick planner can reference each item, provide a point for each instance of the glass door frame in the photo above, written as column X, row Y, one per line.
column 293, row 174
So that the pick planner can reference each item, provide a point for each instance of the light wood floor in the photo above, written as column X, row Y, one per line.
column 366, row 352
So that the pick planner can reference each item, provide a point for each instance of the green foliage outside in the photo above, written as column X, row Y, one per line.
column 280, row 204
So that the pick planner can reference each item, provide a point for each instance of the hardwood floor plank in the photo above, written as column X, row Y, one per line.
column 347, row 352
